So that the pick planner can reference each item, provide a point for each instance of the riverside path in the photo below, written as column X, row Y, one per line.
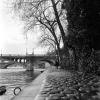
column 31, row 91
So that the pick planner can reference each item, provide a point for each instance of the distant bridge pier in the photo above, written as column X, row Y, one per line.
column 29, row 65
column 27, row 60
column 15, row 59
column 24, row 60
column 20, row 60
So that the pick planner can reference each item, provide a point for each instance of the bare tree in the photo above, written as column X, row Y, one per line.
column 49, row 41
column 47, row 14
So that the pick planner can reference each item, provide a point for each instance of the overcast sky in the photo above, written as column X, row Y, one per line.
column 12, row 39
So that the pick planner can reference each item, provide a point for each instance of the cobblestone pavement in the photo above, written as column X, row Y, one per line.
column 65, row 85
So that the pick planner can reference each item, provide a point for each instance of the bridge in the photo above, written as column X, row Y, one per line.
column 26, row 60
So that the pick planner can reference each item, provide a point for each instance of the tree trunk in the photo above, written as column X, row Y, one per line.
column 58, row 45
column 60, row 25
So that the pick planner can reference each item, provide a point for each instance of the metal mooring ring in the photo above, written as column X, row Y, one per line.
column 16, row 89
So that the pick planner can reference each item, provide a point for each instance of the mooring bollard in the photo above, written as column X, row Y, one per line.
column 17, row 88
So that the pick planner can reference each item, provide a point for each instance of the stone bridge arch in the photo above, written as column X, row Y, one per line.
column 51, row 62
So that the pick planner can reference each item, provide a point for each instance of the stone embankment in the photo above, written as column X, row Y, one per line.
column 65, row 85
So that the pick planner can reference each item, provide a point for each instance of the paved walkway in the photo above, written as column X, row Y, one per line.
column 31, row 91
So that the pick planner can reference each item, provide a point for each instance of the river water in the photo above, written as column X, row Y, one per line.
column 15, row 77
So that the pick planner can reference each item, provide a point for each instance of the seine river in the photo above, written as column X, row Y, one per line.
column 15, row 77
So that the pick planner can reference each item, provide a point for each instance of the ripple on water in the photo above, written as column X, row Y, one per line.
column 14, row 77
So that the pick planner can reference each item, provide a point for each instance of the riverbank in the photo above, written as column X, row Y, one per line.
column 31, row 91
column 15, row 77
column 55, row 84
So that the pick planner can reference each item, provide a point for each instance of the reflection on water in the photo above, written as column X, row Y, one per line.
column 13, row 77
